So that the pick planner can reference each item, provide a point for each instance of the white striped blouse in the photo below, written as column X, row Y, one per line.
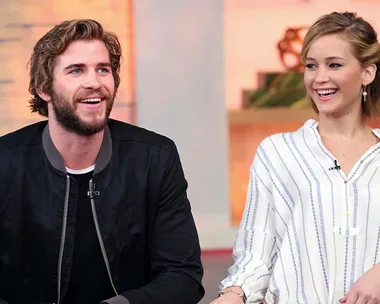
column 308, row 231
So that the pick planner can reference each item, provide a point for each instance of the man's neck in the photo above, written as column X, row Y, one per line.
column 77, row 151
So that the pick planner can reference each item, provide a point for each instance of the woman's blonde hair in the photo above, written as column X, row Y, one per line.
column 364, row 46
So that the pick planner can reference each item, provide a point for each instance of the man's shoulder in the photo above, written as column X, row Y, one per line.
column 16, row 142
column 125, row 132
column 25, row 136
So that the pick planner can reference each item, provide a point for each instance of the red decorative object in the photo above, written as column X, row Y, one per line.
column 290, row 48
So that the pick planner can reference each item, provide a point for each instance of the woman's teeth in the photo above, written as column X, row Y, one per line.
column 326, row 92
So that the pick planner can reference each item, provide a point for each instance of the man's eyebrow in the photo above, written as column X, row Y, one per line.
column 74, row 66
column 82, row 65
column 104, row 64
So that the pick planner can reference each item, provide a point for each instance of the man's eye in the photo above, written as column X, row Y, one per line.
column 76, row 71
column 103, row 70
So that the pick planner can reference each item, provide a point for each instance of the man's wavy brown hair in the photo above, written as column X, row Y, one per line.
column 54, row 43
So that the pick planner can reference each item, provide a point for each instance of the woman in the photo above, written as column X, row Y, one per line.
column 311, row 225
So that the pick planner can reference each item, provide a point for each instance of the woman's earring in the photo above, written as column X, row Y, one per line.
column 365, row 93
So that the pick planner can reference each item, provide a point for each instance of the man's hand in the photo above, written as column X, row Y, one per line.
column 366, row 289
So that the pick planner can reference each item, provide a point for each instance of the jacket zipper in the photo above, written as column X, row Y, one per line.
column 91, row 193
column 63, row 238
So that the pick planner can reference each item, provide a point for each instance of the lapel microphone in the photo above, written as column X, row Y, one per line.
column 336, row 166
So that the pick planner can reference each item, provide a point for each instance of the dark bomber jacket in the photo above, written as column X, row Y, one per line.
column 143, row 217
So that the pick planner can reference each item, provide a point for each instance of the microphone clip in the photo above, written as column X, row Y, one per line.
column 91, row 190
column 336, row 166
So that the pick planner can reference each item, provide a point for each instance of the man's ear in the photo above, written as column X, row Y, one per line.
column 43, row 95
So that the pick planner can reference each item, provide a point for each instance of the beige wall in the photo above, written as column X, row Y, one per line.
column 23, row 22
column 180, row 93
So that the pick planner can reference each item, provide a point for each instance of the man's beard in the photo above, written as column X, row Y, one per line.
column 64, row 112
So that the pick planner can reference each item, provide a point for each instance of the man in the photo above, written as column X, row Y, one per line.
column 92, row 210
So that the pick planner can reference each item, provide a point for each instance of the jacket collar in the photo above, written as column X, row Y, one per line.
column 102, row 160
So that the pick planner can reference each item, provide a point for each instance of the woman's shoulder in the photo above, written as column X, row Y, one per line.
column 288, row 138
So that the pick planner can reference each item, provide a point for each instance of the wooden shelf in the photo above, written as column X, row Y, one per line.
column 270, row 115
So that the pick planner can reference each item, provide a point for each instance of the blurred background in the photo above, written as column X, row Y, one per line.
column 215, row 76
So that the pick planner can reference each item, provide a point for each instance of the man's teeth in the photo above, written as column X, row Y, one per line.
column 92, row 100
column 326, row 92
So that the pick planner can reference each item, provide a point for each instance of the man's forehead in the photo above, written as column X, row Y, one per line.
column 85, row 52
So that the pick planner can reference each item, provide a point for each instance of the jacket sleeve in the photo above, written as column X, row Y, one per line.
column 5, row 175
column 5, row 180
column 254, row 250
column 176, row 269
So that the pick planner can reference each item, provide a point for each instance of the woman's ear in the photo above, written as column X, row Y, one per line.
column 369, row 74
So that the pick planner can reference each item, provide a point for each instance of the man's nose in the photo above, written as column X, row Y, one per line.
column 92, row 81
